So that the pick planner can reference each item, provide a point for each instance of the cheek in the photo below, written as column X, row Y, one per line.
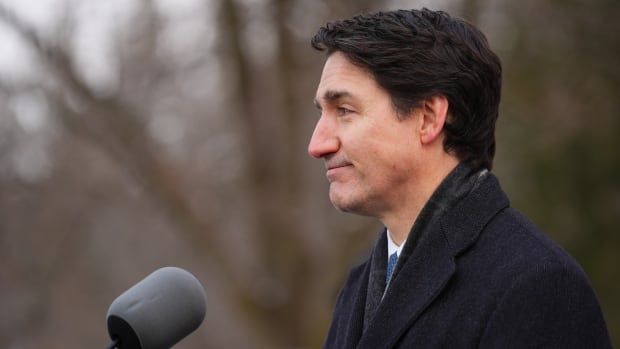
column 378, row 152
column 397, row 166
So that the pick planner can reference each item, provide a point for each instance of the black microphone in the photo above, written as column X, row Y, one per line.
column 157, row 312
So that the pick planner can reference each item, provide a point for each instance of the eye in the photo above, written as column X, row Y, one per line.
column 343, row 111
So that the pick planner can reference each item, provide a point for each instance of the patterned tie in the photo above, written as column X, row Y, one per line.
column 390, row 267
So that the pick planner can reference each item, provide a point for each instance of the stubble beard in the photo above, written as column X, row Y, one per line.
column 354, row 200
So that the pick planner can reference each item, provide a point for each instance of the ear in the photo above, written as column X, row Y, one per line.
column 434, row 114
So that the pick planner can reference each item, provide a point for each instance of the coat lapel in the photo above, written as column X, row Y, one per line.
column 376, row 280
column 354, row 324
column 421, row 278
column 425, row 273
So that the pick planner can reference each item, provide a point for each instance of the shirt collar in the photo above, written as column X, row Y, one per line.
column 392, row 247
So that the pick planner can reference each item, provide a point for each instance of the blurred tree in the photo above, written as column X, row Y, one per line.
column 275, row 274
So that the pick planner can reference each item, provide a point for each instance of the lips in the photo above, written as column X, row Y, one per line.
column 337, row 166
column 334, row 168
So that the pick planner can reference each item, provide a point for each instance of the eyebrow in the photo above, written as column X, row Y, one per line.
column 332, row 95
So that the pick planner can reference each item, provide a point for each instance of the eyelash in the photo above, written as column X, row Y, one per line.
column 343, row 111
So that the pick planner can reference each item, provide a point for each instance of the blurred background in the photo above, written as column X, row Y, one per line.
column 140, row 134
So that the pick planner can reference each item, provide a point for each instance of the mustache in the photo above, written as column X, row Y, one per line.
column 336, row 161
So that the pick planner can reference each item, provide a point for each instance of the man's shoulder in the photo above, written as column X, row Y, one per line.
column 503, row 239
column 536, row 288
column 515, row 243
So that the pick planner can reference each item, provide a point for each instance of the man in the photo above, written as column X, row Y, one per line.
column 408, row 103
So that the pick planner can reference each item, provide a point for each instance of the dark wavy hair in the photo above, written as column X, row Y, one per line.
column 417, row 54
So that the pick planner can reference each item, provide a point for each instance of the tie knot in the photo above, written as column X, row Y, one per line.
column 390, row 267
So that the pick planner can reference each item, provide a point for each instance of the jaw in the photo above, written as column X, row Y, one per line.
column 346, row 197
column 353, row 197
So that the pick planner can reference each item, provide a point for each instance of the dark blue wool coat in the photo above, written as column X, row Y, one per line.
column 476, row 275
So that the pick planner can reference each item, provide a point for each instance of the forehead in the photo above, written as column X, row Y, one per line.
column 343, row 78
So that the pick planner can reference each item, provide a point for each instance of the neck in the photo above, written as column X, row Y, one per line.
column 401, row 217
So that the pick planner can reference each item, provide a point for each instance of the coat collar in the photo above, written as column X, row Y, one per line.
column 430, row 261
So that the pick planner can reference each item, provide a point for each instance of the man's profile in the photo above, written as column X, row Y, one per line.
column 408, row 102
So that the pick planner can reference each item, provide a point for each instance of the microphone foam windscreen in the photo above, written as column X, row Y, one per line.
column 159, row 311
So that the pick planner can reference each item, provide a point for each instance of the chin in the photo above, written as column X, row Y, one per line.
column 348, row 203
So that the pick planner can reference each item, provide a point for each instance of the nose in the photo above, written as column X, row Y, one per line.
column 324, row 140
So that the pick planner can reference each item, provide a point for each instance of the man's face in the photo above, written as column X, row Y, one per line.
column 371, row 156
